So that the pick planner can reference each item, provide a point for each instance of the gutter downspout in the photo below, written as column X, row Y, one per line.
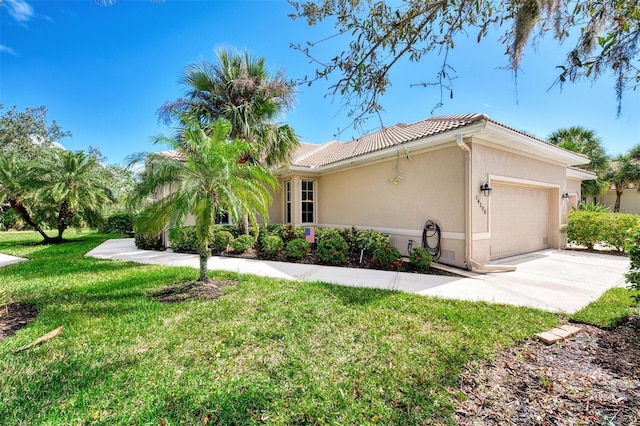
column 471, row 264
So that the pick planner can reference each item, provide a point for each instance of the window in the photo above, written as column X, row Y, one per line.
column 307, row 199
column 222, row 218
column 287, row 202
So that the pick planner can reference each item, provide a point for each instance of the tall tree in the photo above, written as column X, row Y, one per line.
column 26, row 132
column 379, row 34
column 18, row 181
column 72, row 187
column 209, row 178
column 585, row 141
column 238, row 88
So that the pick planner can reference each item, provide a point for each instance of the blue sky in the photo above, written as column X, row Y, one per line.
column 103, row 71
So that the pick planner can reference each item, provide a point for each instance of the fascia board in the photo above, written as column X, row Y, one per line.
column 580, row 174
column 522, row 143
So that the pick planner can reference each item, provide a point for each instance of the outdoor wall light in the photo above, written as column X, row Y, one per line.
column 566, row 196
column 486, row 189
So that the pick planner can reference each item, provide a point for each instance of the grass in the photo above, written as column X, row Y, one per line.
column 609, row 311
column 268, row 351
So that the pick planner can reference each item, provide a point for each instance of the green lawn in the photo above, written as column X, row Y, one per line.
column 268, row 351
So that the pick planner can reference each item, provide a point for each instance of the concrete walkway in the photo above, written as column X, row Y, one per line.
column 553, row 280
column 5, row 259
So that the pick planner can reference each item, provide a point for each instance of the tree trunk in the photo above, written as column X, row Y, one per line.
column 19, row 208
column 245, row 224
column 616, row 207
column 65, row 216
column 203, row 252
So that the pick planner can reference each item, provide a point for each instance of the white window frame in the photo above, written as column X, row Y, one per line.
column 288, row 204
column 313, row 201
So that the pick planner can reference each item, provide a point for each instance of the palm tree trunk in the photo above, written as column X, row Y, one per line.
column 245, row 224
column 19, row 208
column 616, row 206
column 203, row 251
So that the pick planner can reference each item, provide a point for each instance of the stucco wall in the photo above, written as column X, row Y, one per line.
column 629, row 201
column 431, row 187
column 495, row 166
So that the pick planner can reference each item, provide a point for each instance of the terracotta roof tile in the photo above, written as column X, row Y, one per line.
column 332, row 152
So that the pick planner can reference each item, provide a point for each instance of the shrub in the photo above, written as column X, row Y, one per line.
column 633, row 276
column 328, row 234
column 186, row 241
column 119, row 223
column 387, row 257
column 584, row 228
column 298, row 248
column 370, row 240
column 221, row 241
column 272, row 245
column 332, row 251
column 242, row 244
column 289, row 232
column 420, row 259
column 232, row 229
column 588, row 228
column 148, row 242
column 617, row 229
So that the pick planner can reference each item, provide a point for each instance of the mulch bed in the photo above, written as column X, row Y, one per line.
column 194, row 290
column 14, row 316
column 591, row 378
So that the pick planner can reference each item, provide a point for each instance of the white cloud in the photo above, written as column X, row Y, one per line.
column 20, row 10
column 5, row 49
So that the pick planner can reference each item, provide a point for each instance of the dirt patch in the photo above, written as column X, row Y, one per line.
column 591, row 378
column 14, row 316
column 194, row 290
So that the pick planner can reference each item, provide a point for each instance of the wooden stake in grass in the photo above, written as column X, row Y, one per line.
column 50, row 335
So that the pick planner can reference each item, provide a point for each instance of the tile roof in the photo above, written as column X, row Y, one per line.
column 309, row 155
column 397, row 134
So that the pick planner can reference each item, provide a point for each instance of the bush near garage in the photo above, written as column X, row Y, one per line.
column 588, row 228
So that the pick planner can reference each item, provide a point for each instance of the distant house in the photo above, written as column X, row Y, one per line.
column 397, row 179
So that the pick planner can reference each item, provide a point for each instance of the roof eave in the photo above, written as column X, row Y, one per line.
column 528, row 144
column 392, row 151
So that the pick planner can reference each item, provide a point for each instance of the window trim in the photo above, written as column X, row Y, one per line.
column 288, row 202
column 314, row 201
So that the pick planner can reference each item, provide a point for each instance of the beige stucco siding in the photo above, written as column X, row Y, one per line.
column 499, row 167
column 431, row 187
column 629, row 201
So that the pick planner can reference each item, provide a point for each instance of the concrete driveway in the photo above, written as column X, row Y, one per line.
column 553, row 280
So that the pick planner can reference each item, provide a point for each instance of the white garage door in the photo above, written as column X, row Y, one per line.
column 519, row 220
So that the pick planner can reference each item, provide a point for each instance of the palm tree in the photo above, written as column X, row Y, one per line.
column 623, row 171
column 207, row 179
column 17, row 183
column 238, row 88
column 585, row 141
column 73, row 188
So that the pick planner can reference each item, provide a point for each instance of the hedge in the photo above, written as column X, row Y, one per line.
column 587, row 228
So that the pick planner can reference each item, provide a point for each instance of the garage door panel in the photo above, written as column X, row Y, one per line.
column 519, row 219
